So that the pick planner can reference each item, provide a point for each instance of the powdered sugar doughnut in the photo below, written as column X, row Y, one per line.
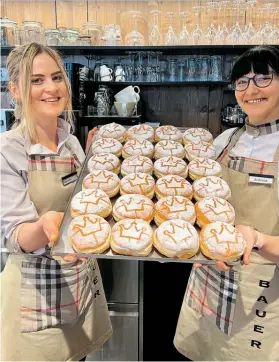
column 138, row 183
column 141, row 132
column 222, row 241
column 169, row 148
column 104, row 180
column 107, row 145
column 132, row 237
column 104, row 161
column 135, row 164
column 133, row 206
column 176, row 239
column 201, row 167
column 173, row 185
column 168, row 133
column 112, row 130
column 174, row 207
column 213, row 209
column 170, row 166
column 197, row 135
column 138, row 147
column 91, row 202
column 199, row 149
column 211, row 186
column 89, row 234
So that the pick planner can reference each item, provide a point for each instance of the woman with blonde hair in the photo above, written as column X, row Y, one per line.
column 51, row 309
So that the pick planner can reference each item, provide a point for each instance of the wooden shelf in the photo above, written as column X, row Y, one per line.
column 161, row 84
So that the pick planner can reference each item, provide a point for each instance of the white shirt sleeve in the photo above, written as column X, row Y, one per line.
column 16, row 205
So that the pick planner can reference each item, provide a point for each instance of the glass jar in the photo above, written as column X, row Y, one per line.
column 71, row 37
column 84, row 40
column 94, row 30
column 7, row 28
column 32, row 32
column 52, row 37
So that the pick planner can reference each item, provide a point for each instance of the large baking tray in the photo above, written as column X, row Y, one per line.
column 62, row 247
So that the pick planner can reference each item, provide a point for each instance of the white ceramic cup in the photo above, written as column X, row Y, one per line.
column 125, row 109
column 105, row 71
column 128, row 94
column 106, row 78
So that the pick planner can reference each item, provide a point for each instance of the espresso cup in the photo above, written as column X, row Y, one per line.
column 106, row 78
column 128, row 94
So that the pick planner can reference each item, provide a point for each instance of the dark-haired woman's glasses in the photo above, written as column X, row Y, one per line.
column 260, row 80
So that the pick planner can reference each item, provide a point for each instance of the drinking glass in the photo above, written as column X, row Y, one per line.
column 134, row 38
column 184, row 36
column 155, row 36
column 171, row 38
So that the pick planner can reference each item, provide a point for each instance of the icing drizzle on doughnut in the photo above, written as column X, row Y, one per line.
column 105, row 180
column 197, row 134
column 138, row 147
column 134, row 205
column 132, row 234
column 136, row 164
column 211, row 186
column 201, row 149
column 215, row 208
column 140, row 182
column 88, row 201
column 103, row 161
column 168, row 132
column 112, row 129
column 223, row 238
column 141, row 131
column 204, row 166
column 170, row 164
column 178, row 235
column 89, row 230
column 106, row 145
column 169, row 148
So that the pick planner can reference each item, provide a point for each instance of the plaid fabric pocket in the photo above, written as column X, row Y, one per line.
column 212, row 293
column 52, row 293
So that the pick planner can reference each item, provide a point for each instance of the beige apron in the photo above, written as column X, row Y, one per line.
column 234, row 316
column 51, row 310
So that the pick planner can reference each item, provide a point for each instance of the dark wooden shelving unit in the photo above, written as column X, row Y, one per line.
column 166, row 50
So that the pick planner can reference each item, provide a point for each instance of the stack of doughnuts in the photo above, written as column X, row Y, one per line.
column 162, row 200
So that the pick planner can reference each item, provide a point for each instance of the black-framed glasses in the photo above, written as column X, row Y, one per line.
column 260, row 81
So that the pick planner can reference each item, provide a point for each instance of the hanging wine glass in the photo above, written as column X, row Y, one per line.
column 218, row 36
column 171, row 38
column 267, row 29
column 273, row 37
column 134, row 38
column 155, row 36
column 197, row 34
column 236, row 32
column 211, row 32
column 184, row 36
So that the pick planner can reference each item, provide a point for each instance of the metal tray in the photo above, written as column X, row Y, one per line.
column 63, row 247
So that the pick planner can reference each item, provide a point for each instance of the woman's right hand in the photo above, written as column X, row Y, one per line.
column 50, row 223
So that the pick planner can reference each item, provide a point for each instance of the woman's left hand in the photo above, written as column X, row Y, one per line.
column 89, row 138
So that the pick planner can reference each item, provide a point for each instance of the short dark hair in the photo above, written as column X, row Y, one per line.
column 259, row 60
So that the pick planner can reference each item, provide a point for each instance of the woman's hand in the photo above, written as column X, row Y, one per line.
column 89, row 138
column 50, row 222
column 250, row 236
column 36, row 235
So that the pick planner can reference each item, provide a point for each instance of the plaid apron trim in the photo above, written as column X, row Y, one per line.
column 51, row 163
column 213, row 294
column 54, row 291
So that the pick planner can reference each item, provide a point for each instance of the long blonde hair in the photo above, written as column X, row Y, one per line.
column 19, row 66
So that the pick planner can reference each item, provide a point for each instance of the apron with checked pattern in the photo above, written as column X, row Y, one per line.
column 234, row 316
column 51, row 310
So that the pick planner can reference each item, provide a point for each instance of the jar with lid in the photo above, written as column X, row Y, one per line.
column 7, row 28
column 32, row 32
column 84, row 40
column 71, row 37
column 94, row 30
column 52, row 37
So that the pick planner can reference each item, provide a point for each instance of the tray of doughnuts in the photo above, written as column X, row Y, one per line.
column 151, row 194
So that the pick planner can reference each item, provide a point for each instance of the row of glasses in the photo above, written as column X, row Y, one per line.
column 151, row 67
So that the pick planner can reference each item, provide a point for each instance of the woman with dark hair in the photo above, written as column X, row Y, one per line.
column 233, row 314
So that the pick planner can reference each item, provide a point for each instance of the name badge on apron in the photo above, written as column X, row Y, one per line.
column 70, row 178
column 261, row 179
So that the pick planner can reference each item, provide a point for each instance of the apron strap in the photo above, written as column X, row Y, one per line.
column 232, row 142
column 69, row 147
column 276, row 155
